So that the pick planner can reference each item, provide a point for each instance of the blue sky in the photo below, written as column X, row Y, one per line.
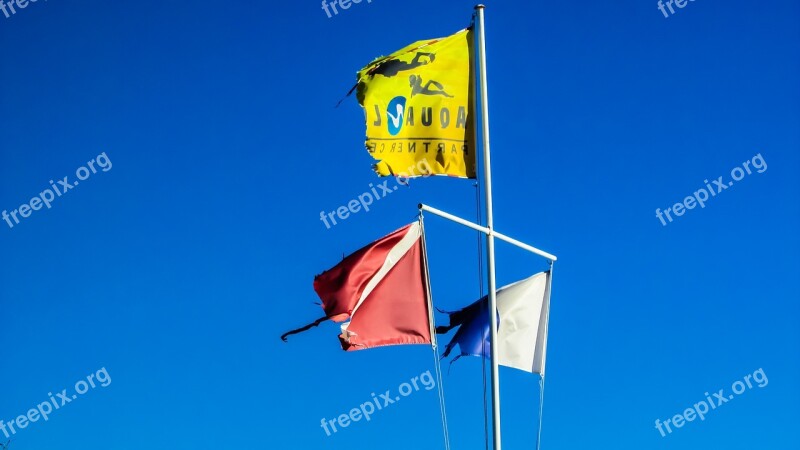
column 178, row 268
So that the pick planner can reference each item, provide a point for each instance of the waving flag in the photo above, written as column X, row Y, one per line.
column 418, row 107
column 522, row 308
column 382, row 290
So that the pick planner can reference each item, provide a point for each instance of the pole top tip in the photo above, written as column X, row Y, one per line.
column 479, row 6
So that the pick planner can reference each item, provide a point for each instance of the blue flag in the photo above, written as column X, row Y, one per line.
column 522, row 316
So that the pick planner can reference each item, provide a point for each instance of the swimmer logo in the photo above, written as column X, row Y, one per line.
column 418, row 107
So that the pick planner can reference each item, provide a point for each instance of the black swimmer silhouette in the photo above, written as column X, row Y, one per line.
column 392, row 67
column 416, row 87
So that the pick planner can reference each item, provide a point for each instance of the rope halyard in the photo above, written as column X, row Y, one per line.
column 541, row 379
column 434, row 341
column 480, row 295
column 441, row 395
column 541, row 408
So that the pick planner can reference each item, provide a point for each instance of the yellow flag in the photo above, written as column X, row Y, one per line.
column 419, row 110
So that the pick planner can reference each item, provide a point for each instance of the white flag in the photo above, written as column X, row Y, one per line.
column 523, row 308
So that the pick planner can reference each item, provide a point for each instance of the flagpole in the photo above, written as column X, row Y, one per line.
column 487, row 180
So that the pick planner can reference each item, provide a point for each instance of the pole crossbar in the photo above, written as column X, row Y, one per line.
column 487, row 231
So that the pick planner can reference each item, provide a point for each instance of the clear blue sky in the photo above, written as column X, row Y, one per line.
column 178, row 269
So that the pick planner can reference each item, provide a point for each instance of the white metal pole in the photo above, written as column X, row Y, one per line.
column 487, row 180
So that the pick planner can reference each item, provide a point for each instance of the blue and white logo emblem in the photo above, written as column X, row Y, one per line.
column 395, row 112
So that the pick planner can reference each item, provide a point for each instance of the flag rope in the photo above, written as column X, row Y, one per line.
column 541, row 408
column 541, row 379
column 442, row 409
column 434, row 342
column 480, row 295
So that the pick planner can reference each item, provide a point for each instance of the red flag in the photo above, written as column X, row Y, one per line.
column 382, row 290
